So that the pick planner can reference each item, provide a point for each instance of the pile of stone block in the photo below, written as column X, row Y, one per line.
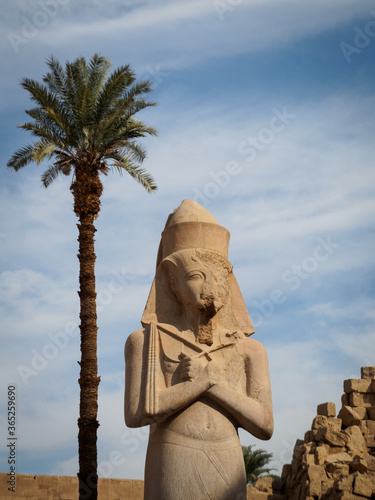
column 336, row 458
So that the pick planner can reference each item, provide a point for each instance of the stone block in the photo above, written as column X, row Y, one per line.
column 137, row 489
column 368, row 372
column 298, row 449
column 327, row 486
column 345, row 483
column 357, row 385
column 316, row 472
column 345, row 399
column 359, row 399
column 370, row 441
column 69, row 487
column 337, row 469
column 356, row 444
column 253, row 494
column 308, row 437
column 332, row 437
column 277, row 484
column 120, row 490
column 104, row 487
column 339, row 458
column 264, row 484
column 287, row 471
column 308, row 459
column 371, row 413
column 362, row 486
column 369, row 426
column 352, row 416
column 321, row 454
column 332, row 450
column 327, row 422
column 358, row 464
column 326, row 409
column 314, row 488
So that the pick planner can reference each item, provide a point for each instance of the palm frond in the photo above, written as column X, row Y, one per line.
column 98, row 70
column 43, row 149
column 113, row 90
column 51, row 174
column 123, row 163
column 21, row 157
column 44, row 132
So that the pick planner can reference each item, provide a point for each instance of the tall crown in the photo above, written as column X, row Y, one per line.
column 192, row 226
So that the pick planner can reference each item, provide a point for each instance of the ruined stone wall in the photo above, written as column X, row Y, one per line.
column 336, row 458
column 66, row 488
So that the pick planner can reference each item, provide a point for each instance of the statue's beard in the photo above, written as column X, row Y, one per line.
column 208, row 310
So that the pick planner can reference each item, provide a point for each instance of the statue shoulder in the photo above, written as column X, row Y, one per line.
column 135, row 342
column 252, row 347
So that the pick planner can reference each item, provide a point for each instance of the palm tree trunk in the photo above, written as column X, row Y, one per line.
column 86, row 190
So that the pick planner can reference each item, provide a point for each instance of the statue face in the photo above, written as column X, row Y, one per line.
column 200, row 289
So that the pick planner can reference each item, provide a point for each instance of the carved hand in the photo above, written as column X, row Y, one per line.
column 195, row 368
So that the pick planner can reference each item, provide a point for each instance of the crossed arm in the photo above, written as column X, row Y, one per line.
column 252, row 411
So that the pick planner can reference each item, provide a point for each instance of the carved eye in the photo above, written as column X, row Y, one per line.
column 195, row 276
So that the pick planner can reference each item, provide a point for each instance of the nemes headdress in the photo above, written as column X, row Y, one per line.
column 191, row 228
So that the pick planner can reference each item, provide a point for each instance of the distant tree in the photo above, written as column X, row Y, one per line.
column 255, row 462
column 84, row 122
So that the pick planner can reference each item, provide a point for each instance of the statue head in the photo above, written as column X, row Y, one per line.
column 194, row 276
column 199, row 279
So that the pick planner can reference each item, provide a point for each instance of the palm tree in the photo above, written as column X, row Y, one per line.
column 84, row 122
column 255, row 462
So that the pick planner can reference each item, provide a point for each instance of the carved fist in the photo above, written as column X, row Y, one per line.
column 191, row 367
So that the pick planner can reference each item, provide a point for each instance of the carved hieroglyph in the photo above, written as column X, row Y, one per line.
column 192, row 373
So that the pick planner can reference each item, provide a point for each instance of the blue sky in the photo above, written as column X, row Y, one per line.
column 265, row 116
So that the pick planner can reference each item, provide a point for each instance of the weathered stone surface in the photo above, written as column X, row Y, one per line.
column 338, row 458
column 357, row 385
column 316, row 472
column 42, row 487
column 277, row 484
column 371, row 413
column 254, row 494
column 332, row 437
column 308, row 459
column 362, row 486
column 308, row 437
column 321, row 453
column 368, row 372
column 314, row 488
column 286, row 471
column 327, row 409
column 189, row 364
column 326, row 422
column 327, row 486
column 359, row 399
column 299, row 449
column 337, row 469
column 370, row 441
column 352, row 416
column 358, row 464
column 264, row 484
column 336, row 449
column 369, row 426
column 345, row 399
column 356, row 444
column 345, row 483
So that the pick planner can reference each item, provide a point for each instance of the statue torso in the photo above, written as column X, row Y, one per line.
column 203, row 419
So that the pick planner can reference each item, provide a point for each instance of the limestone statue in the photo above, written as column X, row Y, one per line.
column 192, row 373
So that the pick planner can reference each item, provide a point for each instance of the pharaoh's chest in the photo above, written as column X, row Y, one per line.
column 225, row 355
